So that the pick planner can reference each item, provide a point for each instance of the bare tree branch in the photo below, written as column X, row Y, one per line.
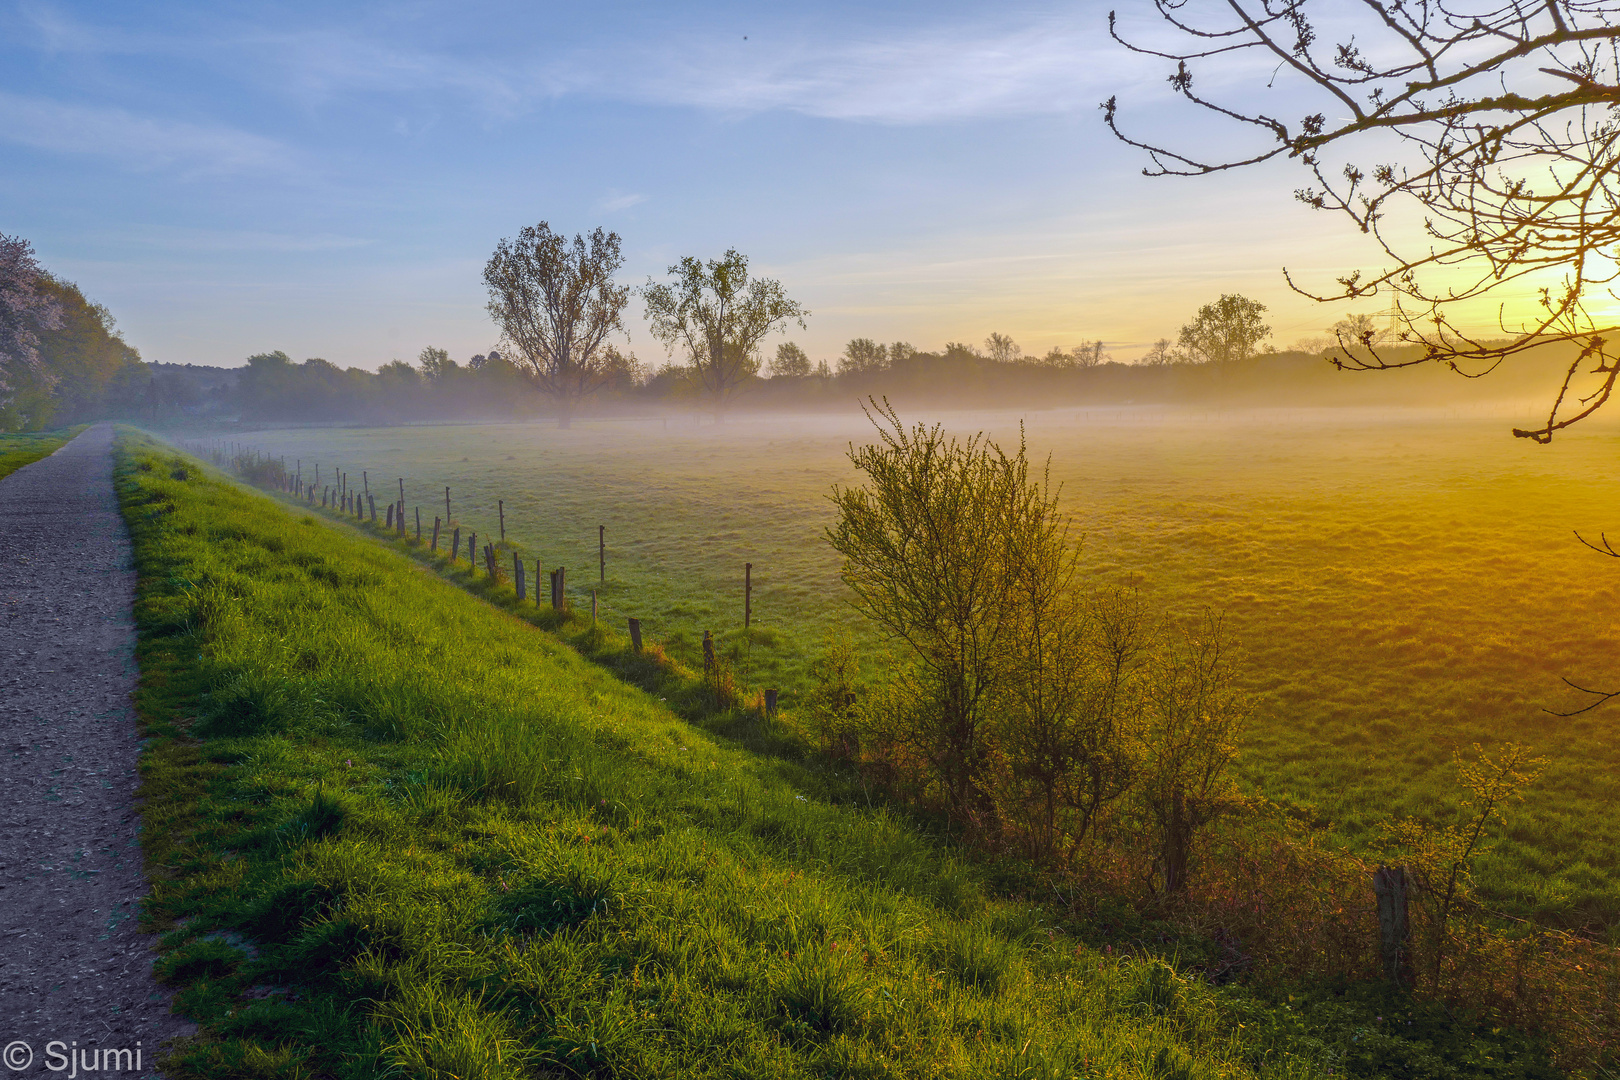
column 1509, row 120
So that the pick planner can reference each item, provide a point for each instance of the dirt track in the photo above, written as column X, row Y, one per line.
column 73, row 965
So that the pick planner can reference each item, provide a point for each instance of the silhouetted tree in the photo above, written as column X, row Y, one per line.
column 1225, row 331
column 434, row 363
column 717, row 316
column 1002, row 349
column 1506, row 115
column 1161, row 354
column 557, row 304
column 863, row 355
column 791, row 362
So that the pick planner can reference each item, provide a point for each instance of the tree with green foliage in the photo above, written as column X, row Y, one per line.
column 557, row 304
column 931, row 546
column 85, row 368
column 1225, row 331
column 791, row 362
column 434, row 363
column 862, row 356
column 717, row 315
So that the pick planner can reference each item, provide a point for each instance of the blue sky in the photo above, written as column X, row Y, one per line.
column 329, row 179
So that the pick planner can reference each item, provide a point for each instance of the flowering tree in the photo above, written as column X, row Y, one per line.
column 24, row 311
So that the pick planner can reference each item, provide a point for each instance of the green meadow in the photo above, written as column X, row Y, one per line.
column 395, row 830
column 24, row 448
column 1404, row 583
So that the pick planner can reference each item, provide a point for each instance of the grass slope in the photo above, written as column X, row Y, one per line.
column 1404, row 584
column 24, row 448
column 395, row 829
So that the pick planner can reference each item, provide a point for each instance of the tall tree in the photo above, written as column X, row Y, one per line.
column 1225, row 331
column 24, row 311
column 85, row 368
column 1478, row 148
column 557, row 304
column 435, row 363
column 1002, row 349
column 718, row 316
column 862, row 355
column 791, row 362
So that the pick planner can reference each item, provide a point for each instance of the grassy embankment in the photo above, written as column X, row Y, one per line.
column 1404, row 584
column 391, row 826
column 24, row 448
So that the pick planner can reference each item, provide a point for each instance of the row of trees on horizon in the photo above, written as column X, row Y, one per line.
column 559, row 307
column 559, row 310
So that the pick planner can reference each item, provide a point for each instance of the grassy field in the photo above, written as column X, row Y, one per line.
column 397, row 830
column 1405, row 584
column 23, row 448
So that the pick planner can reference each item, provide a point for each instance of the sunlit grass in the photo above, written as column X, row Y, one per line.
column 394, row 828
column 1404, row 583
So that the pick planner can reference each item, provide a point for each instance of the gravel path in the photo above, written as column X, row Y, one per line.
column 73, row 965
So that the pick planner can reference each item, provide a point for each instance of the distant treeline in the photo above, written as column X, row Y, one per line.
column 274, row 388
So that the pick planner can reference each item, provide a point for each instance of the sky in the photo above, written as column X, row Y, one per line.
column 329, row 179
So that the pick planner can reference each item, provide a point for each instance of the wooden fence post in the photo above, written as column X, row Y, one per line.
column 517, row 576
column 390, row 518
column 500, row 508
column 1394, row 932
column 748, row 593
column 455, row 544
column 402, row 489
column 447, row 504
column 418, row 524
column 372, row 501
column 635, row 635
column 365, row 480
column 770, row 701
column 434, row 547
column 593, row 607
column 399, row 519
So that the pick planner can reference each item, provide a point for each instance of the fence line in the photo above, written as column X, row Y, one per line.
column 245, row 461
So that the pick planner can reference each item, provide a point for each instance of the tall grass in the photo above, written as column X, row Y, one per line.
column 395, row 830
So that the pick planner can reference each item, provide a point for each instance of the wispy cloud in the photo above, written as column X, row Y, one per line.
column 970, row 71
column 1013, row 65
column 139, row 142
column 614, row 201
